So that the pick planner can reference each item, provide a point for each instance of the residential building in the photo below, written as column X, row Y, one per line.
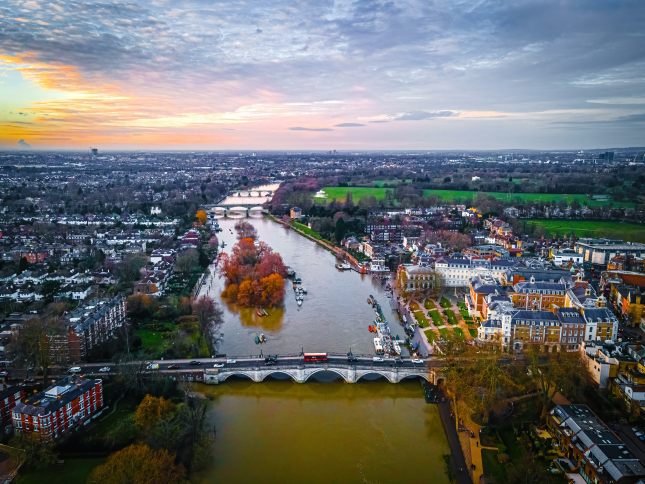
column 9, row 397
column 59, row 409
column 86, row 327
column 458, row 271
column 598, row 453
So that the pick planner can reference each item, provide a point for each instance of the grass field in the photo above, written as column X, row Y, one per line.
column 431, row 335
column 153, row 342
column 466, row 196
column 421, row 319
column 592, row 228
column 452, row 319
column 429, row 304
column 72, row 470
column 459, row 333
column 304, row 228
column 436, row 317
column 473, row 332
column 443, row 332
column 492, row 467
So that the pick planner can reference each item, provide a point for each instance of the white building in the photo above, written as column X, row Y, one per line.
column 458, row 271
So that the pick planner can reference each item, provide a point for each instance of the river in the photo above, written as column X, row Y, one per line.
column 322, row 431
column 285, row 432
column 333, row 318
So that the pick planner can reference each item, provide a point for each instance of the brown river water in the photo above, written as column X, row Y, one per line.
column 325, row 430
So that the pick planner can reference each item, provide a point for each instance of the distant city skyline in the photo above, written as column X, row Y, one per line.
column 316, row 75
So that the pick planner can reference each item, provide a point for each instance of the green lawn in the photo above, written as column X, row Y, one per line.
column 592, row 228
column 452, row 319
column 492, row 467
column 466, row 196
column 473, row 332
column 421, row 319
column 72, row 470
column 153, row 342
column 443, row 332
column 445, row 303
column 340, row 193
column 431, row 335
column 305, row 229
column 459, row 333
column 429, row 304
column 413, row 306
column 436, row 317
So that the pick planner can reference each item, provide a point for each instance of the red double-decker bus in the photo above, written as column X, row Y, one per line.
column 315, row 356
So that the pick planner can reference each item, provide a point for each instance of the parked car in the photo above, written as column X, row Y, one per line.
column 105, row 369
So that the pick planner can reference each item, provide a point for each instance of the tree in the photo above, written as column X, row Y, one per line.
column 201, row 217
column 128, row 270
column 39, row 453
column 138, row 464
column 207, row 312
column 33, row 343
column 554, row 372
column 151, row 411
column 187, row 260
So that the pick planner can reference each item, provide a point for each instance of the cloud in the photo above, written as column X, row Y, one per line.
column 422, row 115
column 349, row 125
column 301, row 128
column 23, row 144
column 159, row 65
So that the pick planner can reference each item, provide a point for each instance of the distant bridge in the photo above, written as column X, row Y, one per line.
column 237, row 211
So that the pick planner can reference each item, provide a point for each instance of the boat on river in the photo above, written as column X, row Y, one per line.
column 343, row 266
column 299, row 301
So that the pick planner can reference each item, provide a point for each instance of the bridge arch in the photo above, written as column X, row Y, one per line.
column 386, row 375
column 273, row 374
column 326, row 370
column 241, row 373
column 256, row 211
column 422, row 376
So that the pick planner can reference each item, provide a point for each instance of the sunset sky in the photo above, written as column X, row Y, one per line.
column 233, row 74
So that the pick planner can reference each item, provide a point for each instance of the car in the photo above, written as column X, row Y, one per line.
column 218, row 365
column 377, row 358
column 173, row 366
column 416, row 360
column 231, row 361
column 195, row 363
column 152, row 366
column 352, row 359
column 270, row 363
column 105, row 369
column 74, row 369
column 4, row 373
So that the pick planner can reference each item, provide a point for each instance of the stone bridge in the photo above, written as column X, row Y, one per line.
column 237, row 211
column 300, row 374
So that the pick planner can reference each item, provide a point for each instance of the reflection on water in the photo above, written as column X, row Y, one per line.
column 333, row 318
column 249, row 318
column 284, row 432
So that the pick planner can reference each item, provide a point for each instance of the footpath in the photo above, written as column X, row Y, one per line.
column 458, row 462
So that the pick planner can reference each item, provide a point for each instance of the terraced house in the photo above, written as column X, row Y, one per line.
column 561, row 330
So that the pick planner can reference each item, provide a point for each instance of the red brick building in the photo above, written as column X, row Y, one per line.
column 9, row 396
column 58, row 409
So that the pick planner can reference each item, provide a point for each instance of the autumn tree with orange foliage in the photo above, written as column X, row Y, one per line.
column 151, row 410
column 138, row 464
column 201, row 217
column 254, row 274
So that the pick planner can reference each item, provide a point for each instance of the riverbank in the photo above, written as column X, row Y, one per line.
column 327, row 245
